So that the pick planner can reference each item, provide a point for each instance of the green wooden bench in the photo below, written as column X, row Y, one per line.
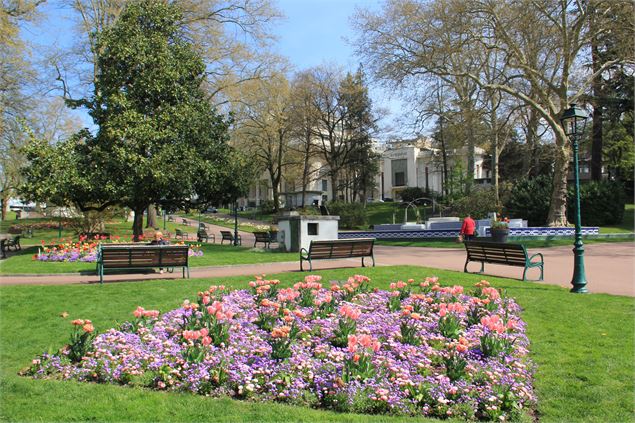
column 14, row 243
column 338, row 249
column 180, row 234
column 264, row 237
column 502, row 253
column 203, row 235
column 227, row 236
column 141, row 256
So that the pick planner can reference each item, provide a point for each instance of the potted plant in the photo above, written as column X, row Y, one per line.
column 500, row 229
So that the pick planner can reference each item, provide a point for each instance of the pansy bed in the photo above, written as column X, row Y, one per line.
column 416, row 349
column 87, row 251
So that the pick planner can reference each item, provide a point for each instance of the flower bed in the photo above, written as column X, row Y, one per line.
column 86, row 251
column 418, row 349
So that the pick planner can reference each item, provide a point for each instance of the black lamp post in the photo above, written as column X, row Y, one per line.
column 235, row 223
column 573, row 122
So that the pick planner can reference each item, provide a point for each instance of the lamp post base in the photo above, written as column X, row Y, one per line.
column 579, row 275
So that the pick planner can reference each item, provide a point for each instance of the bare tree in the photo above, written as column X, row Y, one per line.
column 264, row 128
column 410, row 37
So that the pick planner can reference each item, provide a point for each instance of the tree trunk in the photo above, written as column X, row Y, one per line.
column 305, row 165
column 152, row 217
column 444, row 153
column 558, row 208
column 596, row 146
column 495, row 148
column 334, row 184
column 3, row 206
column 469, row 180
column 275, row 186
column 495, row 154
column 531, row 143
column 596, row 143
column 137, row 224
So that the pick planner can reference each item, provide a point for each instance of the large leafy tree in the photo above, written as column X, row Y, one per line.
column 159, row 140
column 542, row 43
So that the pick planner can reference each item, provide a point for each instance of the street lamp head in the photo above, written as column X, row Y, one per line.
column 573, row 120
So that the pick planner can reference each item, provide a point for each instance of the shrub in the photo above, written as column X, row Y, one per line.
column 529, row 199
column 601, row 203
column 352, row 215
column 480, row 202
column 266, row 207
column 412, row 193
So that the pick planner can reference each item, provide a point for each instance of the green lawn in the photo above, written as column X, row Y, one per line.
column 582, row 346
column 120, row 228
column 627, row 224
column 213, row 255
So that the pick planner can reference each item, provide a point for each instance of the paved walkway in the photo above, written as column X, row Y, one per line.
column 610, row 267
column 247, row 238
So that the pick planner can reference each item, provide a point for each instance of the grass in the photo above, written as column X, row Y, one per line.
column 581, row 347
column 49, row 236
column 213, row 255
column 627, row 225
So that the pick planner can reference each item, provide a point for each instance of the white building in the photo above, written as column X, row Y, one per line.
column 415, row 163
column 403, row 164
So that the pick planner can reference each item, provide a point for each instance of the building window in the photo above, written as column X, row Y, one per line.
column 325, row 198
column 399, row 172
column 312, row 228
column 325, row 185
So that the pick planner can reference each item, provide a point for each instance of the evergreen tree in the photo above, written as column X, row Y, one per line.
column 158, row 141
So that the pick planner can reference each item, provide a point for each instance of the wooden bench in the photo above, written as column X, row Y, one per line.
column 502, row 253
column 141, row 256
column 228, row 236
column 14, row 242
column 185, row 222
column 3, row 248
column 338, row 249
column 180, row 234
column 264, row 237
column 203, row 235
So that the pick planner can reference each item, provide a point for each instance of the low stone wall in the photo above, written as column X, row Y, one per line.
column 435, row 233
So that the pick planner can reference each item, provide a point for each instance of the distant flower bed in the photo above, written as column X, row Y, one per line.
column 86, row 251
column 18, row 228
column 417, row 349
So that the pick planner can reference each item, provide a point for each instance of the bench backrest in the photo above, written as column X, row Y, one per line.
column 497, row 252
column 202, row 232
column 341, row 248
column 262, row 236
column 117, row 256
column 227, row 235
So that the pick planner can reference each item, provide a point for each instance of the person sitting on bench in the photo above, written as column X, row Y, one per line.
column 158, row 240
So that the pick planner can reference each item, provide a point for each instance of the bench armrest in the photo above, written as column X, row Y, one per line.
column 542, row 260
column 304, row 253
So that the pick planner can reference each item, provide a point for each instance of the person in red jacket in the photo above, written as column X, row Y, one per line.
column 468, row 228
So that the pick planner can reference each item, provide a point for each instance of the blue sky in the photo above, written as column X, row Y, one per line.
column 314, row 32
